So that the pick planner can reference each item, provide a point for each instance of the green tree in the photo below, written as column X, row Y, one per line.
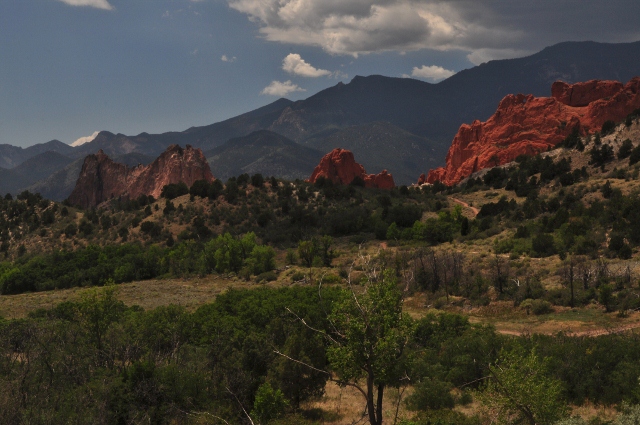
column 269, row 404
column 370, row 333
column 520, row 390
column 228, row 255
column 306, row 252
column 97, row 310
column 262, row 259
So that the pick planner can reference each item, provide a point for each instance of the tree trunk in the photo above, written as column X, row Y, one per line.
column 374, row 409
column 379, row 406
column 371, row 409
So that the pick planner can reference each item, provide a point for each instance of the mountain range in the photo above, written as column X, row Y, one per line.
column 399, row 124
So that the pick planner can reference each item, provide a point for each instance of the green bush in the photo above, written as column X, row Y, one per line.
column 269, row 276
column 625, row 149
column 543, row 245
column 269, row 404
column 431, row 394
column 537, row 307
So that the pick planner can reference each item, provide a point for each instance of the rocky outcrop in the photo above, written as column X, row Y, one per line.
column 524, row 124
column 340, row 167
column 102, row 179
column 582, row 94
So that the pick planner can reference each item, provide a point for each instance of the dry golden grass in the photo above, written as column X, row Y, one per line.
column 346, row 406
column 149, row 294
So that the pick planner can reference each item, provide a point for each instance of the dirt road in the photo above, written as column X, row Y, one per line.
column 474, row 210
column 589, row 333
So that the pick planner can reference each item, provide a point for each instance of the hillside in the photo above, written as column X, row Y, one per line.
column 540, row 252
column 263, row 152
column 12, row 156
column 31, row 170
column 420, row 118
column 435, row 111
column 205, row 137
column 383, row 146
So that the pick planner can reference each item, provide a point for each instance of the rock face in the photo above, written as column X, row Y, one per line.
column 524, row 124
column 102, row 179
column 340, row 167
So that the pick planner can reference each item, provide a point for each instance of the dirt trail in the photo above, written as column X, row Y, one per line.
column 474, row 210
column 589, row 333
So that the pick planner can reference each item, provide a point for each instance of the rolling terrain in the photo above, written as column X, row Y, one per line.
column 408, row 122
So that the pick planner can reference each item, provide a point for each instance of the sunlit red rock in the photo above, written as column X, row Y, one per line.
column 102, row 179
column 524, row 124
column 340, row 167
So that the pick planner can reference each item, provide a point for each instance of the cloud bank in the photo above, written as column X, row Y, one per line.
column 294, row 64
column 98, row 4
column 485, row 30
column 277, row 88
column 432, row 73
column 85, row 139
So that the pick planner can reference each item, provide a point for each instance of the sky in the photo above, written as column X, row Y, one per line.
column 69, row 68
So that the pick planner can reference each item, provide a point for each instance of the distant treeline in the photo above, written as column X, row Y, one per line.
column 95, row 265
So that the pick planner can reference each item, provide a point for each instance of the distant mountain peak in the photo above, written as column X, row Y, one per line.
column 86, row 139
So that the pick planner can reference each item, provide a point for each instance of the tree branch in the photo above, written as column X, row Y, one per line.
column 331, row 378
column 241, row 406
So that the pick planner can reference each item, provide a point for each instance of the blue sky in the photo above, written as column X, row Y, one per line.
column 72, row 67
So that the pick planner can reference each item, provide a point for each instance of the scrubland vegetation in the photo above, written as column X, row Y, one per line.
column 403, row 296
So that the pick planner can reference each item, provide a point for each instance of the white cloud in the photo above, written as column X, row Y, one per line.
column 225, row 58
column 339, row 75
column 277, row 88
column 432, row 73
column 99, row 4
column 85, row 139
column 294, row 64
column 358, row 26
column 484, row 30
column 485, row 55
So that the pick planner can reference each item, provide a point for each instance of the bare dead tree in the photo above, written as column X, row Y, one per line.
column 569, row 272
column 585, row 271
column 500, row 272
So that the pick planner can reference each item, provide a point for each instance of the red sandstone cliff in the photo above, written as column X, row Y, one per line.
column 524, row 124
column 102, row 179
column 340, row 167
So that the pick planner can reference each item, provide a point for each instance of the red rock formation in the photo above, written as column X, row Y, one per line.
column 340, row 167
column 422, row 179
column 582, row 94
column 524, row 124
column 102, row 179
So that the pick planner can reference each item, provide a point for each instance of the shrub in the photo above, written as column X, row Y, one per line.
column 297, row 276
column 537, row 307
column 257, row 180
column 269, row 276
column 70, row 230
column 601, row 155
column 625, row 252
column 174, row 190
column 431, row 394
column 269, row 404
column 634, row 157
column 608, row 127
column 625, row 149
column 543, row 245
